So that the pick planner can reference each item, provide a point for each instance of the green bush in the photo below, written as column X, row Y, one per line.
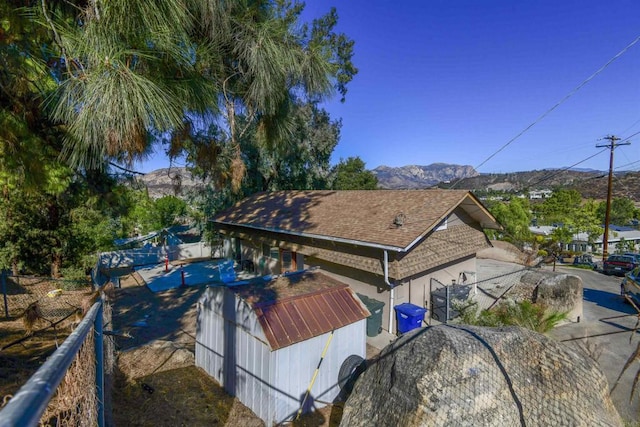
column 525, row 313
column 542, row 253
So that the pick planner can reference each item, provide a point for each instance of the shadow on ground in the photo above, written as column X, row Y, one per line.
column 148, row 316
column 611, row 301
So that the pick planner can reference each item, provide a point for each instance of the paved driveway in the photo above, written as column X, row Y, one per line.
column 606, row 329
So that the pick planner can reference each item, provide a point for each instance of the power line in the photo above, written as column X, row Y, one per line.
column 634, row 123
column 630, row 136
column 546, row 113
column 556, row 173
column 628, row 164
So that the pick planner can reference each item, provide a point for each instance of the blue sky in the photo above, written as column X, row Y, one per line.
column 454, row 80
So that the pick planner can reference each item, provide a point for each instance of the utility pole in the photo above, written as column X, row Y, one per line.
column 611, row 146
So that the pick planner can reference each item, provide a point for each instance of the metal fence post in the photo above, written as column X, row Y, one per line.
column 99, row 349
column 4, row 293
column 448, row 302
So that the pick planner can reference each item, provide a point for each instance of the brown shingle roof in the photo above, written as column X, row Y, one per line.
column 365, row 216
column 301, row 306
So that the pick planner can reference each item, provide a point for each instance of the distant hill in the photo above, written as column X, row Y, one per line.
column 175, row 181
column 421, row 176
column 590, row 184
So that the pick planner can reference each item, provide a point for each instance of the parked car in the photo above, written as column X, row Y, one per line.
column 631, row 284
column 619, row 265
column 634, row 255
column 584, row 260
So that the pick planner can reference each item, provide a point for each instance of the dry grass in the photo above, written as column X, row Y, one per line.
column 25, row 348
column 31, row 317
column 75, row 400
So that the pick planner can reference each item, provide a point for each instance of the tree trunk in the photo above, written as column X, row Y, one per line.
column 56, row 265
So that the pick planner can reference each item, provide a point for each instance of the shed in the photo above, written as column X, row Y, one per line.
column 262, row 341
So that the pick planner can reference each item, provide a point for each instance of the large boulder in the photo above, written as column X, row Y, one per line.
column 558, row 292
column 562, row 293
column 471, row 376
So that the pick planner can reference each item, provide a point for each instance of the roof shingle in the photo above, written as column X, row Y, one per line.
column 366, row 216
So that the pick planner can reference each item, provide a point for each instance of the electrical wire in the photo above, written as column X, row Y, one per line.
column 627, row 164
column 634, row 123
column 556, row 173
column 546, row 113
column 630, row 136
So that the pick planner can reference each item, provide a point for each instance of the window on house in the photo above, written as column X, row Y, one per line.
column 274, row 253
column 238, row 250
column 288, row 261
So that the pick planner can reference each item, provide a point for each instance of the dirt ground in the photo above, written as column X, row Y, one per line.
column 156, row 382
column 23, row 352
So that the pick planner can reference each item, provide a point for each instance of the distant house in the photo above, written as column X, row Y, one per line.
column 580, row 241
column 385, row 244
column 540, row 194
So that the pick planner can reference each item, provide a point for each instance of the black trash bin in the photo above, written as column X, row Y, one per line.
column 374, row 322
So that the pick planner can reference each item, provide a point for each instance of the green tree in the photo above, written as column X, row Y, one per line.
column 622, row 211
column 183, row 65
column 167, row 210
column 586, row 221
column 44, row 232
column 301, row 163
column 351, row 174
column 561, row 207
column 515, row 217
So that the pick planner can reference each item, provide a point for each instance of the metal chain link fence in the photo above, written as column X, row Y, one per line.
column 447, row 300
column 55, row 298
column 75, row 402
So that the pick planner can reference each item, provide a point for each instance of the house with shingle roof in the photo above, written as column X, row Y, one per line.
column 389, row 245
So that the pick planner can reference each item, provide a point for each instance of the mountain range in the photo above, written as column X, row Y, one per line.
column 589, row 183
column 175, row 181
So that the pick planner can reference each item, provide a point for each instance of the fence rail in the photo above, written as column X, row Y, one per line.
column 28, row 405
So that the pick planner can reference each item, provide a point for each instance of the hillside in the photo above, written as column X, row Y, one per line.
column 175, row 181
column 589, row 183
column 415, row 176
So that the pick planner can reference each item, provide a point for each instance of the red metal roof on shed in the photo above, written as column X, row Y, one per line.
column 302, row 306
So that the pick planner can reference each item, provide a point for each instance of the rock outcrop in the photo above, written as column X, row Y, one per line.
column 415, row 176
column 473, row 376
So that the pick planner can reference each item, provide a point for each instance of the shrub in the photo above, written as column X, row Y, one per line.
column 525, row 313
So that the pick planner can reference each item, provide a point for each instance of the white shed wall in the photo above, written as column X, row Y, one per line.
column 295, row 365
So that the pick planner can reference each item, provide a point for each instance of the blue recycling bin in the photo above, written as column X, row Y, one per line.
column 410, row 316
